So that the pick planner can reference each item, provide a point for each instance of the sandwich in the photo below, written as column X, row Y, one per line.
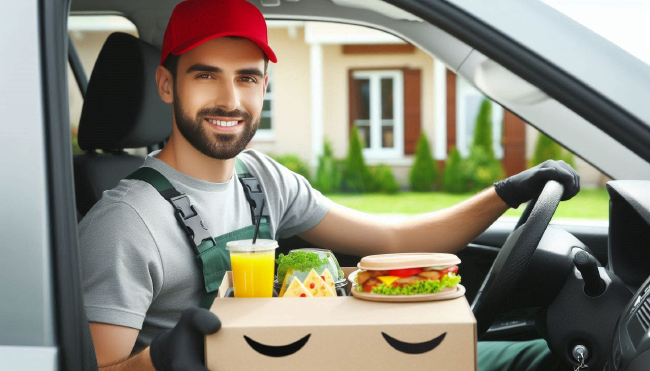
column 407, row 274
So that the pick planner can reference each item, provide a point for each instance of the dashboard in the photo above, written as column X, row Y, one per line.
column 629, row 259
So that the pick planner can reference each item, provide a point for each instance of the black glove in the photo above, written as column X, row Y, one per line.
column 524, row 186
column 182, row 348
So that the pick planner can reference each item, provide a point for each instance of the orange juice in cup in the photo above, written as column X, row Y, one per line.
column 252, row 267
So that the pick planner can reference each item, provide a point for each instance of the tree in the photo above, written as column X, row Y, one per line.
column 454, row 178
column 483, row 168
column 423, row 174
column 328, row 173
column 356, row 176
column 483, row 128
column 547, row 149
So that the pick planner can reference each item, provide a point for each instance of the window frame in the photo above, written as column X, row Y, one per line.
column 376, row 151
column 268, row 134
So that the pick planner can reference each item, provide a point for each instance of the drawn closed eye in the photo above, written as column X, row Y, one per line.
column 413, row 348
column 277, row 351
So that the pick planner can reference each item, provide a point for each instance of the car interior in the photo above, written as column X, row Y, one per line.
column 571, row 284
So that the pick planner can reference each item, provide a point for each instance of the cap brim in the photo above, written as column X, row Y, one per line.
column 193, row 43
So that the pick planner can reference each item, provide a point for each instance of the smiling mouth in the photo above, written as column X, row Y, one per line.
column 413, row 348
column 277, row 351
column 224, row 125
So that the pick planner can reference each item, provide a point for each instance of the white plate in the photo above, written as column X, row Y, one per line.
column 447, row 293
column 352, row 276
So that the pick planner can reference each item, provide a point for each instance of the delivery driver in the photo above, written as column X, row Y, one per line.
column 145, row 281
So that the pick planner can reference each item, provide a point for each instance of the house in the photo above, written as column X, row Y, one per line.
column 332, row 76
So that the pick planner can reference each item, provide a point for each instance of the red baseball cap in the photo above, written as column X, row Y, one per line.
column 194, row 22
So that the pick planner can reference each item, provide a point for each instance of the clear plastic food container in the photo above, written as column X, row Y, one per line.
column 327, row 261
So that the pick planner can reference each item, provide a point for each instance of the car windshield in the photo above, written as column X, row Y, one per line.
column 622, row 22
column 422, row 137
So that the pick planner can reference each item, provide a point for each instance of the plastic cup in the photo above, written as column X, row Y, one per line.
column 252, row 267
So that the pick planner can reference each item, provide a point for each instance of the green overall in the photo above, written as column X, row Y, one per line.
column 214, row 260
column 211, row 254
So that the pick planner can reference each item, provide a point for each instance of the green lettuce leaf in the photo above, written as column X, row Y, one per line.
column 298, row 261
column 421, row 287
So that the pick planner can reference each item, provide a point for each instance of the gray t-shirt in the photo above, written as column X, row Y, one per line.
column 138, row 268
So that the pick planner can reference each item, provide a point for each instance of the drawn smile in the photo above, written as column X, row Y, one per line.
column 413, row 348
column 277, row 351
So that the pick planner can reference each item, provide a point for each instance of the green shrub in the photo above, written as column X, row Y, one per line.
column 483, row 169
column 356, row 176
column 423, row 174
column 547, row 149
column 328, row 173
column 455, row 176
column 483, row 128
column 294, row 163
column 383, row 179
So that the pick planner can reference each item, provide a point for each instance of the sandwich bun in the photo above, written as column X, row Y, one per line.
column 408, row 260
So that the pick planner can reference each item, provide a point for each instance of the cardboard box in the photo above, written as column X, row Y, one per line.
column 342, row 333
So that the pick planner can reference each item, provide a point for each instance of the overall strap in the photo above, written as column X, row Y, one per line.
column 253, row 190
column 187, row 216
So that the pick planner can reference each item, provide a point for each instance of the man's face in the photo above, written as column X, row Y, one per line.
column 218, row 96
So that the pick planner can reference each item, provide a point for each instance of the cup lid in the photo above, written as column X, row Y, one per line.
column 248, row 246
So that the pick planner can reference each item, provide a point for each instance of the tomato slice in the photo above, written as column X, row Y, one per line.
column 403, row 273
column 368, row 288
column 452, row 269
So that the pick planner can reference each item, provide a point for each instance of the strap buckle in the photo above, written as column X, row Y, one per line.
column 190, row 221
column 255, row 196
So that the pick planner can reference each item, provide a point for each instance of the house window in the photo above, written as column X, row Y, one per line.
column 379, row 112
column 265, row 131
column 468, row 104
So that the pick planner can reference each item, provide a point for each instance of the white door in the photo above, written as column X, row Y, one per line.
column 380, row 114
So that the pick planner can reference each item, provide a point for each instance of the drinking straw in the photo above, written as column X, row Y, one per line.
column 259, row 219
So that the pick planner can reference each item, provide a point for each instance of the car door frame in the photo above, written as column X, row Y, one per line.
column 584, row 100
column 73, row 338
column 58, row 160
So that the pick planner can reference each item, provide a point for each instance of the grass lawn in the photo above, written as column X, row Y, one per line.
column 588, row 204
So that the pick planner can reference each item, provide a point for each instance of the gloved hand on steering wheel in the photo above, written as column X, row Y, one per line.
column 182, row 348
column 524, row 186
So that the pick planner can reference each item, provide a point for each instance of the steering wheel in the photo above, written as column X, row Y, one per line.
column 513, row 258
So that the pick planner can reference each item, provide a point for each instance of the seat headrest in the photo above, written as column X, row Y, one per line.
column 122, row 108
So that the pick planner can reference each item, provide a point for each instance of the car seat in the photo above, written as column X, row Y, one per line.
column 122, row 109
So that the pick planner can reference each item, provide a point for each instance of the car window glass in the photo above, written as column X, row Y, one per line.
column 88, row 34
column 355, row 110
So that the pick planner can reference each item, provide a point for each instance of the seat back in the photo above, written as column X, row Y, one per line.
column 122, row 109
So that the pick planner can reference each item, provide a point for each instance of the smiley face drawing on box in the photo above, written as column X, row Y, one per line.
column 289, row 349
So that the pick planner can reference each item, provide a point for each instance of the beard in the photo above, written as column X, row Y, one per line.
column 220, row 146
